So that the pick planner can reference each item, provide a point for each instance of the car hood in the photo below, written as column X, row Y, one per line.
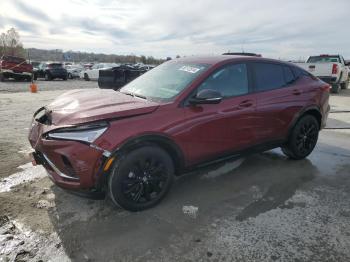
column 82, row 106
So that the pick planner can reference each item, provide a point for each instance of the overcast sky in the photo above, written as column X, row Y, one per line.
column 279, row 29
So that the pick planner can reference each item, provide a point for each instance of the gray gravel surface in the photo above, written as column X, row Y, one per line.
column 12, row 86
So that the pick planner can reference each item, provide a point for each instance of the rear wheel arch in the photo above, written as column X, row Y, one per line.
column 314, row 111
column 162, row 141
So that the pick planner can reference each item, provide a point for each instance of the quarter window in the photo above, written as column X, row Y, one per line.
column 230, row 81
column 288, row 74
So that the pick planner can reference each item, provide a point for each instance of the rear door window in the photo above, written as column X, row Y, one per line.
column 268, row 76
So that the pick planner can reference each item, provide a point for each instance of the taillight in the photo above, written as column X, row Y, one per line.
column 335, row 69
column 326, row 88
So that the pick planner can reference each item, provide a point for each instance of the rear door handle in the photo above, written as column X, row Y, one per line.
column 246, row 103
column 296, row 92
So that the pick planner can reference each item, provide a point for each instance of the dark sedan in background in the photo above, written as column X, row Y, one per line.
column 50, row 71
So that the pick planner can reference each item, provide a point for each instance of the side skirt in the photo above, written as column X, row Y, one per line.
column 235, row 155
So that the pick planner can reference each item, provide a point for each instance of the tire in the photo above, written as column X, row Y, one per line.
column 86, row 77
column 2, row 78
column 344, row 85
column 141, row 179
column 64, row 78
column 303, row 138
column 335, row 88
column 35, row 77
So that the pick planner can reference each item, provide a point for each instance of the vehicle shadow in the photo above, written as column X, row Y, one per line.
column 97, row 229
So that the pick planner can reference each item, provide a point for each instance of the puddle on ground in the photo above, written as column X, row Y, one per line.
column 224, row 169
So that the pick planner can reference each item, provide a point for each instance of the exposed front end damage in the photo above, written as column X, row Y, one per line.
column 73, row 165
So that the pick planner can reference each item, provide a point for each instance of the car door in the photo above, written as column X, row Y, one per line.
column 213, row 130
column 94, row 71
column 280, row 96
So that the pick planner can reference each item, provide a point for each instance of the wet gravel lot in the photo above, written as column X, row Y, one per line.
column 261, row 208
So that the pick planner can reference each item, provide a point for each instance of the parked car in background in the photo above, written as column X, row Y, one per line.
column 347, row 63
column 329, row 68
column 73, row 71
column 129, row 144
column 16, row 68
column 93, row 73
column 117, row 77
column 51, row 71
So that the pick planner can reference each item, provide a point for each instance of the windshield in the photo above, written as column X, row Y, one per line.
column 166, row 81
column 323, row 59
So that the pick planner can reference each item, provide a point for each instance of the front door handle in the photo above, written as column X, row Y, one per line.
column 296, row 92
column 246, row 103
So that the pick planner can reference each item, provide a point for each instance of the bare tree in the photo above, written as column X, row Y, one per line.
column 10, row 43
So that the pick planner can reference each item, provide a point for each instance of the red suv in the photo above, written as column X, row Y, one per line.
column 187, row 112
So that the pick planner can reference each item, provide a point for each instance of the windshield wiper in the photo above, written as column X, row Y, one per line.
column 134, row 95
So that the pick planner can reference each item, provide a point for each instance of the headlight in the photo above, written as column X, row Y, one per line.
column 86, row 133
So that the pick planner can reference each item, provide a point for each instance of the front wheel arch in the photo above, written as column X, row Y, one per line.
column 162, row 141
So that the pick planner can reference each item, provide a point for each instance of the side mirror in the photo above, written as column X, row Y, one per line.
column 206, row 96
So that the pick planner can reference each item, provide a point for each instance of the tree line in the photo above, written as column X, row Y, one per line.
column 10, row 44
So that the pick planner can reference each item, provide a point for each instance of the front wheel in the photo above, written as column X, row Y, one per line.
column 303, row 138
column 141, row 178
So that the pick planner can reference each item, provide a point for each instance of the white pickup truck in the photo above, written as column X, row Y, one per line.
column 332, row 69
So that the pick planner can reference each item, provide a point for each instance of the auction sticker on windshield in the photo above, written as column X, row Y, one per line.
column 190, row 69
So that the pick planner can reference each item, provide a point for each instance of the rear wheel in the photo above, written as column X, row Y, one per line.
column 142, row 179
column 86, row 77
column 344, row 85
column 335, row 88
column 303, row 138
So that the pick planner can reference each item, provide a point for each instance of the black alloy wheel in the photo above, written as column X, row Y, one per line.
column 303, row 138
column 141, row 179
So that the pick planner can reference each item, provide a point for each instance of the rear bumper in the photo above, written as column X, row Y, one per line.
column 58, row 75
column 10, row 73
column 328, row 79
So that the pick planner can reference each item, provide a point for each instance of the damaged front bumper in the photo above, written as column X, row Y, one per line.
column 71, row 165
